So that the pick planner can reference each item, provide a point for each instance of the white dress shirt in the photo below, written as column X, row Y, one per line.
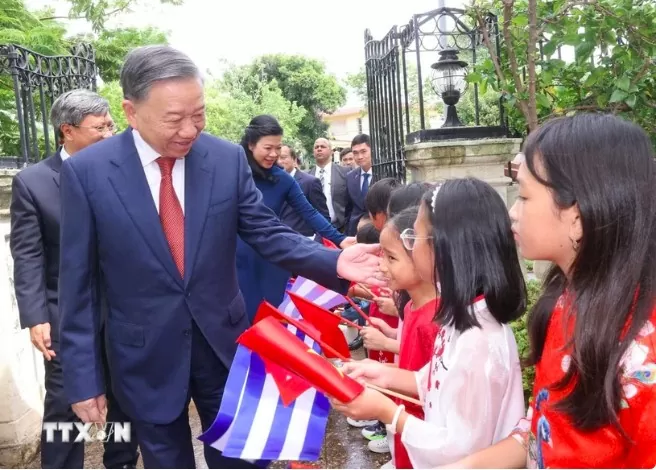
column 327, row 187
column 293, row 172
column 148, row 158
column 64, row 154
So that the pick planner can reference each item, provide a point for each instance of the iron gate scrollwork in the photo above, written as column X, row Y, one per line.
column 395, row 110
column 37, row 81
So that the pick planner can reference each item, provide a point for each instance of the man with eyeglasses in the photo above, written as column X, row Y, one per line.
column 80, row 118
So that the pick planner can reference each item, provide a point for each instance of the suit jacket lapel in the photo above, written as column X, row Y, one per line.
column 129, row 182
column 198, row 189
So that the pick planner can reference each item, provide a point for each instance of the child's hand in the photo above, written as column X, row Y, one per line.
column 387, row 306
column 370, row 404
column 368, row 371
column 383, row 327
column 374, row 339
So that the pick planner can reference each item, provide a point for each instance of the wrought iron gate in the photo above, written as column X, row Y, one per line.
column 393, row 112
column 37, row 81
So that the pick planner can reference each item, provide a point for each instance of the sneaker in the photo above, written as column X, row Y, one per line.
column 369, row 431
column 361, row 423
column 379, row 446
column 388, row 465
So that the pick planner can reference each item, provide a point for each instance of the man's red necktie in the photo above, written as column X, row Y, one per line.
column 170, row 213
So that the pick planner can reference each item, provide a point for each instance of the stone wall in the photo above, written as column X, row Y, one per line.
column 485, row 159
column 21, row 365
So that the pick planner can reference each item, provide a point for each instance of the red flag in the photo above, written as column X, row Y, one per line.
column 267, row 310
column 325, row 321
column 328, row 244
column 273, row 342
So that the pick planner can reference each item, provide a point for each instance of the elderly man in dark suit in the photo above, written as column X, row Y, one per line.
column 155, row 213
column 311, row 188
column 333, row 180
column 80, row 118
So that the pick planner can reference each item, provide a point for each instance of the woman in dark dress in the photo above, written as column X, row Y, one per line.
column 258, row 279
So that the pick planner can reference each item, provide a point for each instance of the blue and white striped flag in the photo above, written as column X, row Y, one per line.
column 313, row 292
column 253, row 423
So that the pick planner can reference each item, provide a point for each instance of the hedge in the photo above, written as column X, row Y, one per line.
column 521, row 336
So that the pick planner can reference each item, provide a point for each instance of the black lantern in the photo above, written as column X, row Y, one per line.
column 448, row 81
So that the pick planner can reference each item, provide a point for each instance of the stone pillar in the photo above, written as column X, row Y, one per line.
column 21, row 365
column 481, row 158
column 484, row 159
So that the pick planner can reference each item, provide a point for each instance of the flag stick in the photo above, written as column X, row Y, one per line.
column 366, row 289
column 394, row 394
column 348, row 322
column 359, row 310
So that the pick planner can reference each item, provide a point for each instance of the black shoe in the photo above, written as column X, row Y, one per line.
column 356, row 343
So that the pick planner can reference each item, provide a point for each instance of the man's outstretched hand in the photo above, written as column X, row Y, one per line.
column 360, row 263
column 93, row 410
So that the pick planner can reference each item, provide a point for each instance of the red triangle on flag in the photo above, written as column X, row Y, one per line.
column 290, row 386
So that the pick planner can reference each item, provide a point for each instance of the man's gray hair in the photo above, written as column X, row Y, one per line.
column 73, row 106
column 146, row 65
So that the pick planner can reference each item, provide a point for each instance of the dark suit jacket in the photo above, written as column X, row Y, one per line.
column 353, row 184
column 311, row 188
column 34, row 243
column 110, row 225
column 340, row 198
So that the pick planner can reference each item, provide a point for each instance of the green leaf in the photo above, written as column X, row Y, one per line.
column 623, row 84
column 618, row 96
column 631, row 101
column 543, row 100
column 474, row 77
column 583, row 51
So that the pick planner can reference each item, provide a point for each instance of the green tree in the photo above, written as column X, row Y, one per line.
column 301, row 80
column 40, row 32
column 97, row 12
column 611, row 71
column 229, row 110
column 113, row 45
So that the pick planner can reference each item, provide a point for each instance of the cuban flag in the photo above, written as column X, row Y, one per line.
column 254, row 422
column 313, row 292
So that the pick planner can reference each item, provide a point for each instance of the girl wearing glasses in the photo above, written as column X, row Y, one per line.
column 418, row 302
column 471, row 387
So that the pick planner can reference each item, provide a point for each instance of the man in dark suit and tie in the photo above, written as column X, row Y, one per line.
column 359, row 180
column 80, row 118
column 333, row 180
column 311, row 188
column 157, row 211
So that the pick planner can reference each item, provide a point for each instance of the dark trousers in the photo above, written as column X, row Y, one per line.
column 60, row 454
column 170, row 445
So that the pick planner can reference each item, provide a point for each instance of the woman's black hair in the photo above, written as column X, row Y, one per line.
column 605, row 166
column 475, row 254
column 379, row 194
column 260, row 126
column 406, row 196
column 402, row 221
column 368, row 234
